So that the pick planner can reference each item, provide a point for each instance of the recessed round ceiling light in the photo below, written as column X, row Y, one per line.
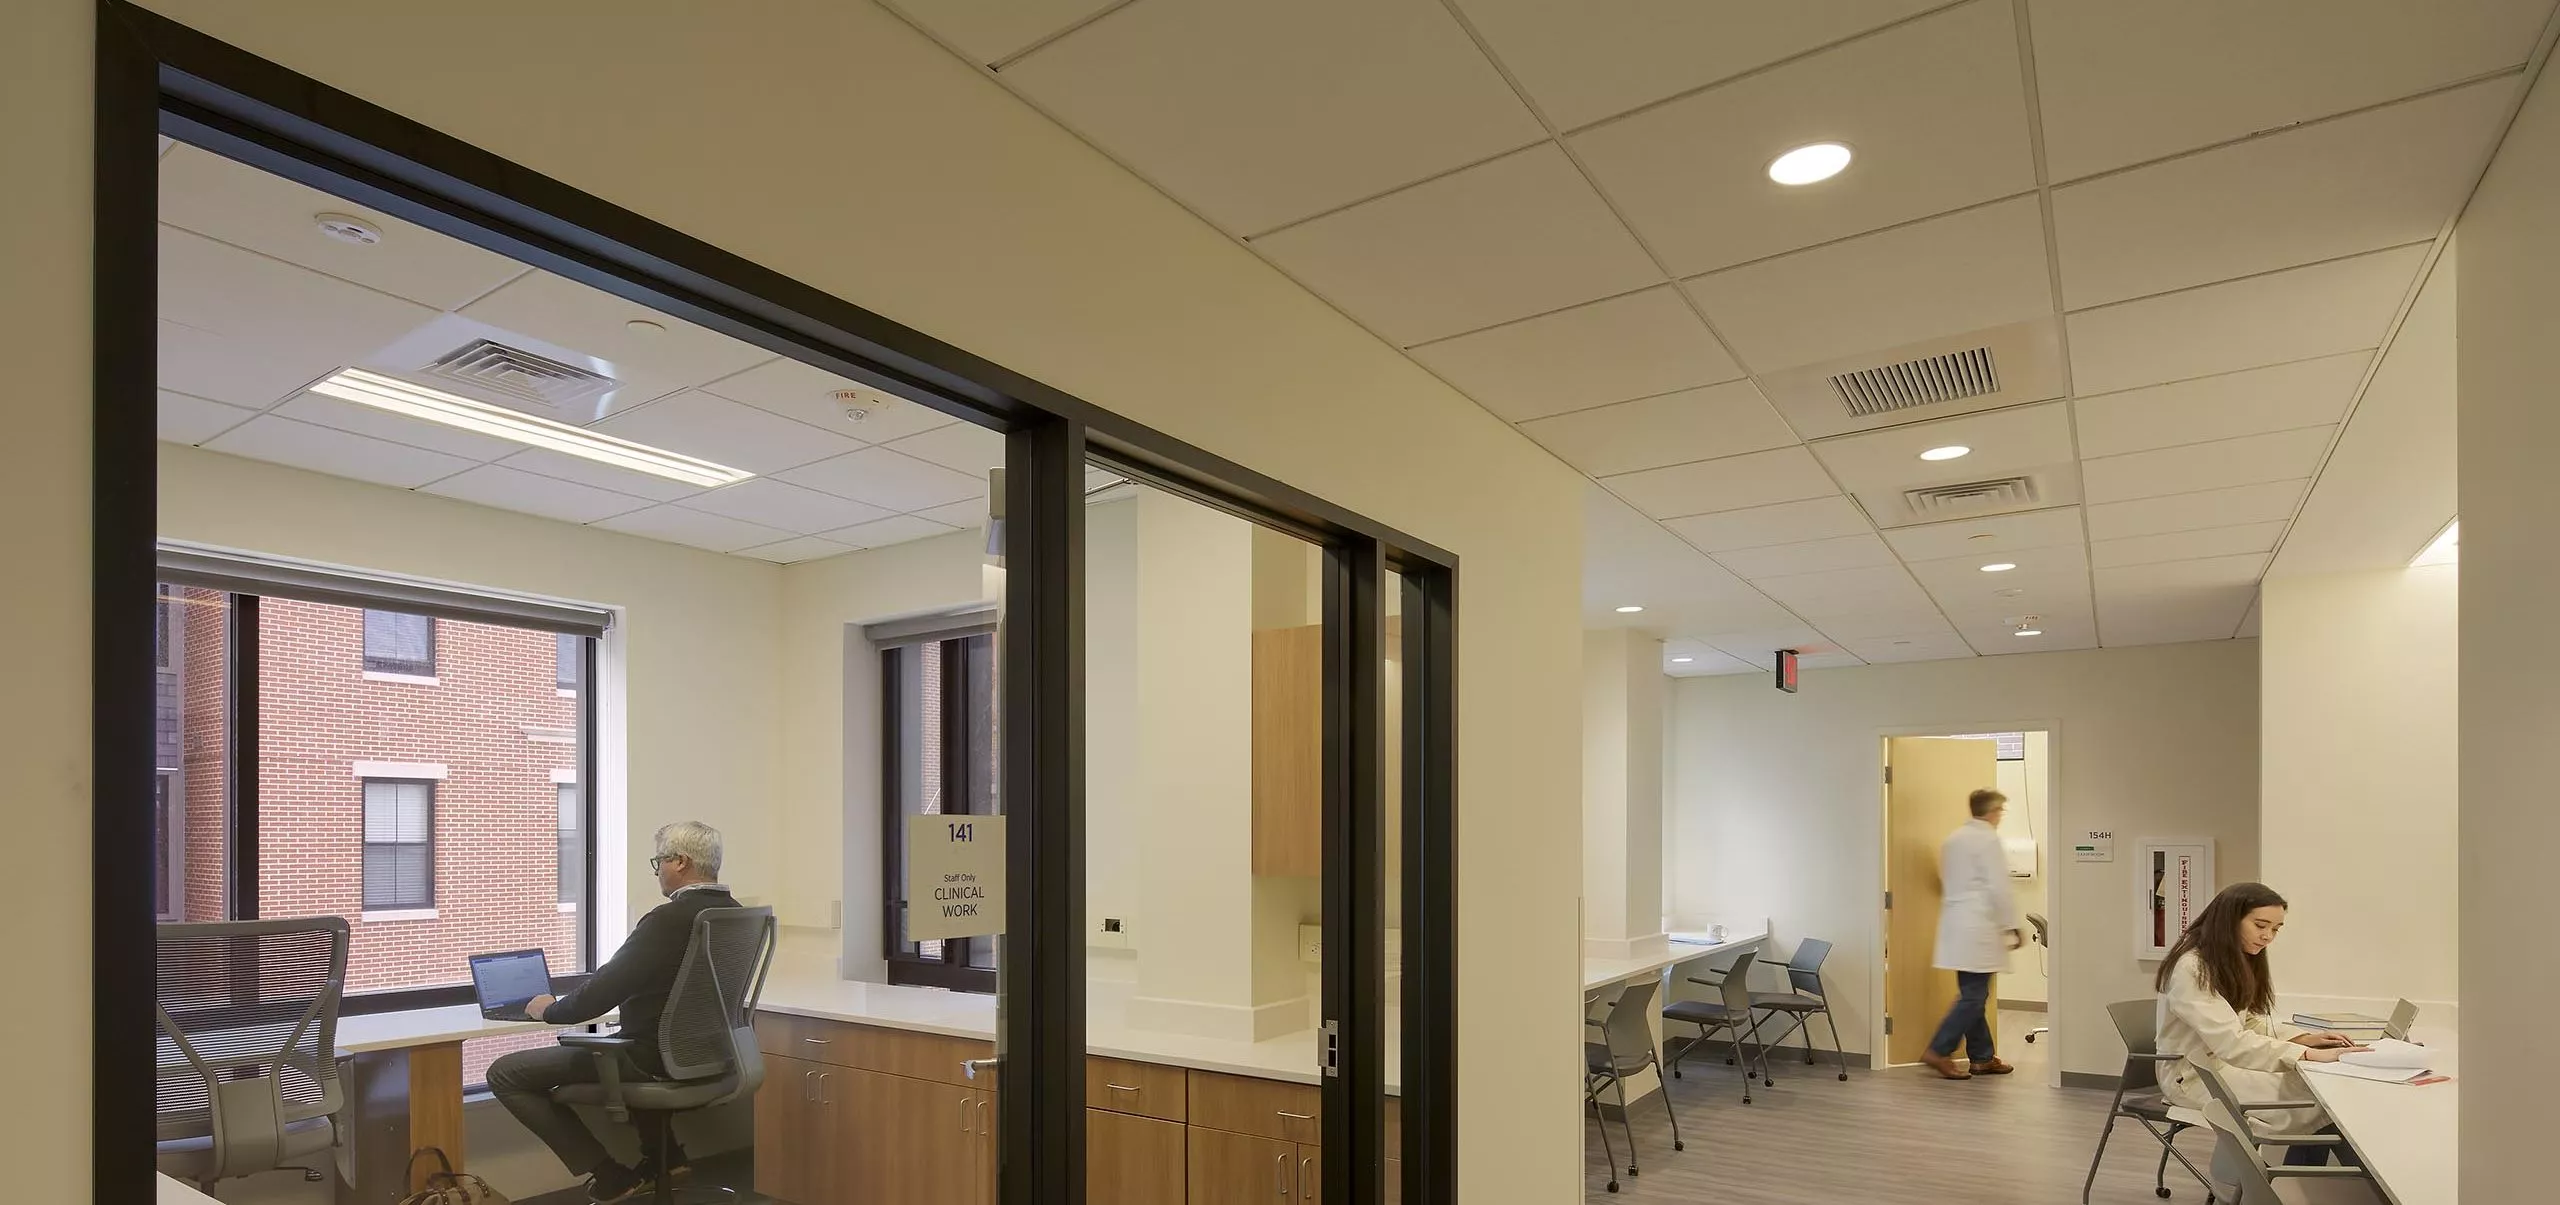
column 1998, row 567
column 1629, row 610
column 347, row 228
column 642, row 326
column 1809, row 164
column 1949, row 452
column 1682, row 660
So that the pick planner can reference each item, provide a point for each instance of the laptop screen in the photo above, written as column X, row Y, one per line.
column 510, row 978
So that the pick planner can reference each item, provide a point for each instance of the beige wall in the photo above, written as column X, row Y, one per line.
column 2023, row 782
column 2359, row 802
column 832, row 143
column 2507, row 303
column 1777, row 800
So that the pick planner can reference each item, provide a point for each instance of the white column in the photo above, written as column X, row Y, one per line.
column 1622, row 795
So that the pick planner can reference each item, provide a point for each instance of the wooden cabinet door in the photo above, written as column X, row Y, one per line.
column 1239, row 1169
column 1132, row 1160
column 921, row 1142
column 1310, row 1175
column 791, row 1149
column 984, row 1191
column 1288, row 751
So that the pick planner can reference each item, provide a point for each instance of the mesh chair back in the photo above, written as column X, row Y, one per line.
column 2138, row 1023
column 248, row 1039
column 707, row 1031
column 1628, row 1031
column 1804, row 970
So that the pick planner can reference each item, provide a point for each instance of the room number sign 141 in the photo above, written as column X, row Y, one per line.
column 955, row 877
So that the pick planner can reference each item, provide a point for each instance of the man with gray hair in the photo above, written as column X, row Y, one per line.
column 636, row 980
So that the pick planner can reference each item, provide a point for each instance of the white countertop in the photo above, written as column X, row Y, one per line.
column 369, row 1032
column 1599, row 973
column 176, row 1192
column 2410, row 1137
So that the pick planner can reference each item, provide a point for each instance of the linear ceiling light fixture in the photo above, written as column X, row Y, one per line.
column 436, row 406
column 2445, row 549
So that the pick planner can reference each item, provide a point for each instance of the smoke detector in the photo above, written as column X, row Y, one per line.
column 857, row 404
column 347, row 228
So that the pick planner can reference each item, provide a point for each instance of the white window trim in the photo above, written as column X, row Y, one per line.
column 566, row 693
column 375, row 675
column 564, row 778
column 398, row 914
column 568, row 909
column 430, row 771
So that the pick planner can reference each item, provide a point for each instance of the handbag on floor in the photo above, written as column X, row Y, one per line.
column 446, row 1186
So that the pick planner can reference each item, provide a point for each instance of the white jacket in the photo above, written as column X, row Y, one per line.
column 1978, row 910
column 2255, row 1054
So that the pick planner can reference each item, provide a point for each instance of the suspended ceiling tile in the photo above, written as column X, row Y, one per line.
column 795, row 390
column 897, row 529
column 2256, row 401
column 1784, row 523
column 989, row 31
column 2187, row 545
column 2241, row 570
column 1967, row 573
column 794, row 551
column 788, row 507
column 1990, row 534
column 722, row 431
column 1758, row 647
column 697, row 529
column 1639, row 345
column 960, row 447
column 2243, row 68
column 1881, row 626
column 2266, row 502
column 2377, row 179
column 193, row 420
column 1695, row 424
column 887, row 479
column 1583, row 62
column 324, row 450
column 2250, row 460
column 1521, row 235
column 1778, row 560
column 1734, row 482
column 398, row 428
column 2297, row 314
column 1944, row 646
column 598, row 475
column 243, row 328
column 510, row 489
column 1691, row 659
column 2393, row 479
column 2017, row 440
column 1257, row 115
column 972, row 513
column 1962, row 272
column 598, row 324
column 1933, row 110
column 2138, row 617
column 1846, row 592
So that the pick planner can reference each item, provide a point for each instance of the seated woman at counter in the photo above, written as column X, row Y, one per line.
column 2216, row 1010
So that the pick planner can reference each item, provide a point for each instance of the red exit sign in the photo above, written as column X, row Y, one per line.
column 1787, row 670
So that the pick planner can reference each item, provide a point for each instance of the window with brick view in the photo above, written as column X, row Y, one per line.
column 395, row 643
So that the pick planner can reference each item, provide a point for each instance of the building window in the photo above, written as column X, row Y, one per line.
column 573, row 846
column 568, row 652
column 939, row 758
column 398, row 643
column 399, row 844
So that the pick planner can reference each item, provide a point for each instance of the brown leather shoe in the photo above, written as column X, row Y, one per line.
column 1944, row 1066
column 1992, row 1066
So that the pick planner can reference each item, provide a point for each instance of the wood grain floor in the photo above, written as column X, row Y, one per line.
column 1897, row 1137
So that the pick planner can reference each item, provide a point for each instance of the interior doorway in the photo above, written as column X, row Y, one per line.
column 1928, row 774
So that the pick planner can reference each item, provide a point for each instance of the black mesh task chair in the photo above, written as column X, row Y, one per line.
column 2138, row 1097
column 247, row 1076
column 1627, row 1048
column 1731, row 1015
column 706, row 1038
column 1802, row 1002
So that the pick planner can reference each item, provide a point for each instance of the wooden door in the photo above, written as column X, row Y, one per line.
column 1928, row 779
column 1239, row 1169
column 1132, row 1160
column 791, row 1151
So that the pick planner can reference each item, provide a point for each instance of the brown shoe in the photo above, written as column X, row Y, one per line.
column 1944, row 1066
column 1992, row 1066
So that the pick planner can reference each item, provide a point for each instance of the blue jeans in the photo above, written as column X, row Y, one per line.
column 1965, row 1021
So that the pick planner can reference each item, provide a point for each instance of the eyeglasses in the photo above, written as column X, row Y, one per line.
column 661, row 860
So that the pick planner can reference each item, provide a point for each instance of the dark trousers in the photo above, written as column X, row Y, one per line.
column 1965, row 1021
column 2318, row 1154
column 523, row 1081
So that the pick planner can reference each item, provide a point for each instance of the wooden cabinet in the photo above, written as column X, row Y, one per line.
column 792, row 1133
column 1240, row 1169
column 1261, row 1107
column 920, row 1142
column 1143, row 1089
column 1133, row 1160
column 1288, row 751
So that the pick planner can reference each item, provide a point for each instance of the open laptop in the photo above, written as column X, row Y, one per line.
column 2403, row 1015
column 506, row 982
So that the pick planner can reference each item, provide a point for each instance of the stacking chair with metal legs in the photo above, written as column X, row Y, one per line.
column 1732, row 1015
column 2237, row 1156
column 1627, row 1048
column 1804, row 1001
column 2138, row 1097
column 247, row 1048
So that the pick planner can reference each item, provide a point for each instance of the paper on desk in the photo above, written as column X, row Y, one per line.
column 2388, row 1075
column 2389, row 1052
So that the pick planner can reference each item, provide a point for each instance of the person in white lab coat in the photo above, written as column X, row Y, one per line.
column 2216, row 1010
column 1977, row 927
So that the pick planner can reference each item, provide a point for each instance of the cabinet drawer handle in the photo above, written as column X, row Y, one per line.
column 1281, row 1172
column 1121, row 1087
column 1296, row 1116
column 815, row 1041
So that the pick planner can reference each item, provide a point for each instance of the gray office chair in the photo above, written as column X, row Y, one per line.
column 1731, row 1015
column 1626, row 1050
column 2138, row 1097
column 1804, row 1001
column 2237, row 1157
column 2043, row 942
column 247, row 1069
column 706, row 1038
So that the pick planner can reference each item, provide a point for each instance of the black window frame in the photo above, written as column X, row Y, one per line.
column 384, row 663
column 427, row 845
column 965, row 722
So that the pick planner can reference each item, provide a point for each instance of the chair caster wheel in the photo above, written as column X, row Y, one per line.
column 1679, row 1146
column 1633, row 1173
column 1675, row 1073
column 2161, row 1193
column 1844, row 1077
column 1613, row 1186
column 2031, row 1039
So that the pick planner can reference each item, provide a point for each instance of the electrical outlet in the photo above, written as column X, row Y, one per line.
column 1113, row 934
column 1311, row 943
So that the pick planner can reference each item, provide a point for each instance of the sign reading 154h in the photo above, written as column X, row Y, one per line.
column 955, row 876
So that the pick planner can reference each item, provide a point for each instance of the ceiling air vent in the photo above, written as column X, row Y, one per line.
column 1969, row 498
column 492, row 366
column 1927, row 381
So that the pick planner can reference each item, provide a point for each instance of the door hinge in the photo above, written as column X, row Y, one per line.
column 1888, row 901
column 1331, row 1058
column 1888, row 775
column 1888, row 1025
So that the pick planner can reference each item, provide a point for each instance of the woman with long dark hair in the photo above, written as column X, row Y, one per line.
column 2217, row 1006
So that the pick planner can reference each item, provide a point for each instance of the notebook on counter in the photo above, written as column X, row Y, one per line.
column 2363, row 1025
